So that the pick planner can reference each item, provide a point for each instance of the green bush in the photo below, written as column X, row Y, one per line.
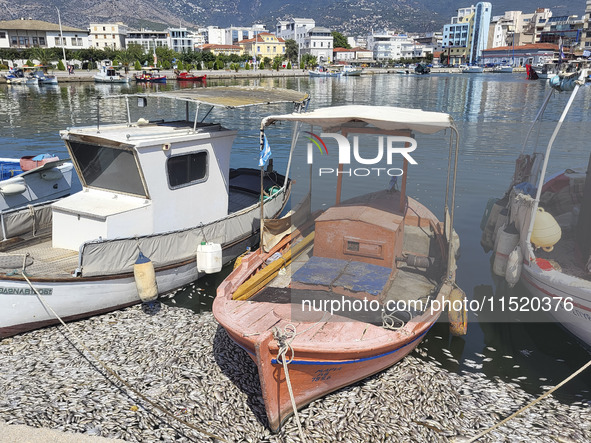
column 137, row 66
column 60, row 66
column 30, row 63
column 166, row 64
column 4, row 68
column 180, row 66
column 302, row 65
column 247, row 66
column 288, row 65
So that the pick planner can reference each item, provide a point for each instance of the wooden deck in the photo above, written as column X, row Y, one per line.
column 48, row 262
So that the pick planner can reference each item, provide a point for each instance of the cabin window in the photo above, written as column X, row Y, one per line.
column 187, row 169
column 108, row 168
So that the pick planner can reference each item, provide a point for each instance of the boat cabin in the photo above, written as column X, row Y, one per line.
column 149, row 177
column 135, row 176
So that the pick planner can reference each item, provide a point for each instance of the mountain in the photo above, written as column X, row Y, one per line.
column 346, row 16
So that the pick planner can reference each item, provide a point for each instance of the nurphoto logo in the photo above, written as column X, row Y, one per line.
column 388, row 147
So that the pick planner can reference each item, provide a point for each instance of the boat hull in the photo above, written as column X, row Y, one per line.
column 312, row 376
column 575, row 314
column 80, row 297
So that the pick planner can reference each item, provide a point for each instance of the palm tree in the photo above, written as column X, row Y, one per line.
column 43, row 55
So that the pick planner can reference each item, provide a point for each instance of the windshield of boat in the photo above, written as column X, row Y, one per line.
column 108, row 168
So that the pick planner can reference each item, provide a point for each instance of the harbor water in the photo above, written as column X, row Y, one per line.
column 493, row 113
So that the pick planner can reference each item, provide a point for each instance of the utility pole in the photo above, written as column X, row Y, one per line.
column 62, row 37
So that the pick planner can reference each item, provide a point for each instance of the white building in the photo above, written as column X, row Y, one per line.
column 147, row 39
column 295, row 29
column 215, row 35
column 467, row 34
column 199, row 37
column 107, row 35
column 234, row 34
column 319, row 43
column 22, row 34
column 586, row 36
column 180, row 40
column 388, row 45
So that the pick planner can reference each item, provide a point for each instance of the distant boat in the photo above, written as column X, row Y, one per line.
column 108, row 74
column 17, row 76
column 45, row 79
column 473, row 70
column 351, row 71
column 150, row 76
column 185, row 76
column 503, row 69
column 323, row 72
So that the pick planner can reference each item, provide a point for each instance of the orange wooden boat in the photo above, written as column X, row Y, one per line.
column 349, row 291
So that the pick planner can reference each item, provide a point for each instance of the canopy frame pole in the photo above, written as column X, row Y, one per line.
column 538, row 117
column 547, row 157
column 262, row 216
column 402, row 205
column 339, row 183
column 450, row 251
column 196, row 116
column 128, row 112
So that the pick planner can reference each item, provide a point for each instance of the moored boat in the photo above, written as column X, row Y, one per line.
column 185, row 76
column 351, row 71
column 473, row 70
column 160, row 207
column 384, row 250
column 543, row 237
column 45, row 79
column 151, row 76
column 108, row 74
column 321, row 71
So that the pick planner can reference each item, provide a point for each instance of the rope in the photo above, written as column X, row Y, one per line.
column 546, row 394
column 284, row 340
column 390, row 321
column 112, row 372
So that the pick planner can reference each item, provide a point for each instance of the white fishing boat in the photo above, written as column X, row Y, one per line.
column 351, row 71
column 45, row 79
column 540, row 230
column 323, row 72
column 28, row 186
column 503, row 69
column 157, row 189
column 108, row 74
column 473, row 70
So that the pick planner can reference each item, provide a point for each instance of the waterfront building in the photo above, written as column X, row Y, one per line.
column 180, row 40
column 343, row 55
column 533, row 54
column 388, row 45
column 263, row 45
column 107, row 35
column 215, row 35
column 222, row 49
column 319, row 43
column 295, row 29
column 235, row 34
column 22, row 34
column 199, row 37
column 466, row 36
column 586, row 34
column 353, row 56
column 147, row 39
column 567, row 29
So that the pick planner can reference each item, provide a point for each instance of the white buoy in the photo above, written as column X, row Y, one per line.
column 14, row 186
column 514, row 265
column 507, row 239
column 209, row 257
column 145, row 278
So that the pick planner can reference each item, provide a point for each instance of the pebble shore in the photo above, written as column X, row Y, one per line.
column 186, row 363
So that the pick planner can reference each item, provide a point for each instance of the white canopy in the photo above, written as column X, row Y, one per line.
column 383, row 117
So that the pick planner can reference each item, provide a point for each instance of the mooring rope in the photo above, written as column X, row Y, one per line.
column 284, row 340
column 112, row 372
column 546, row 394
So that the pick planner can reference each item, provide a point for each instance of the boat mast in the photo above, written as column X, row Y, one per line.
column 62, row 37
